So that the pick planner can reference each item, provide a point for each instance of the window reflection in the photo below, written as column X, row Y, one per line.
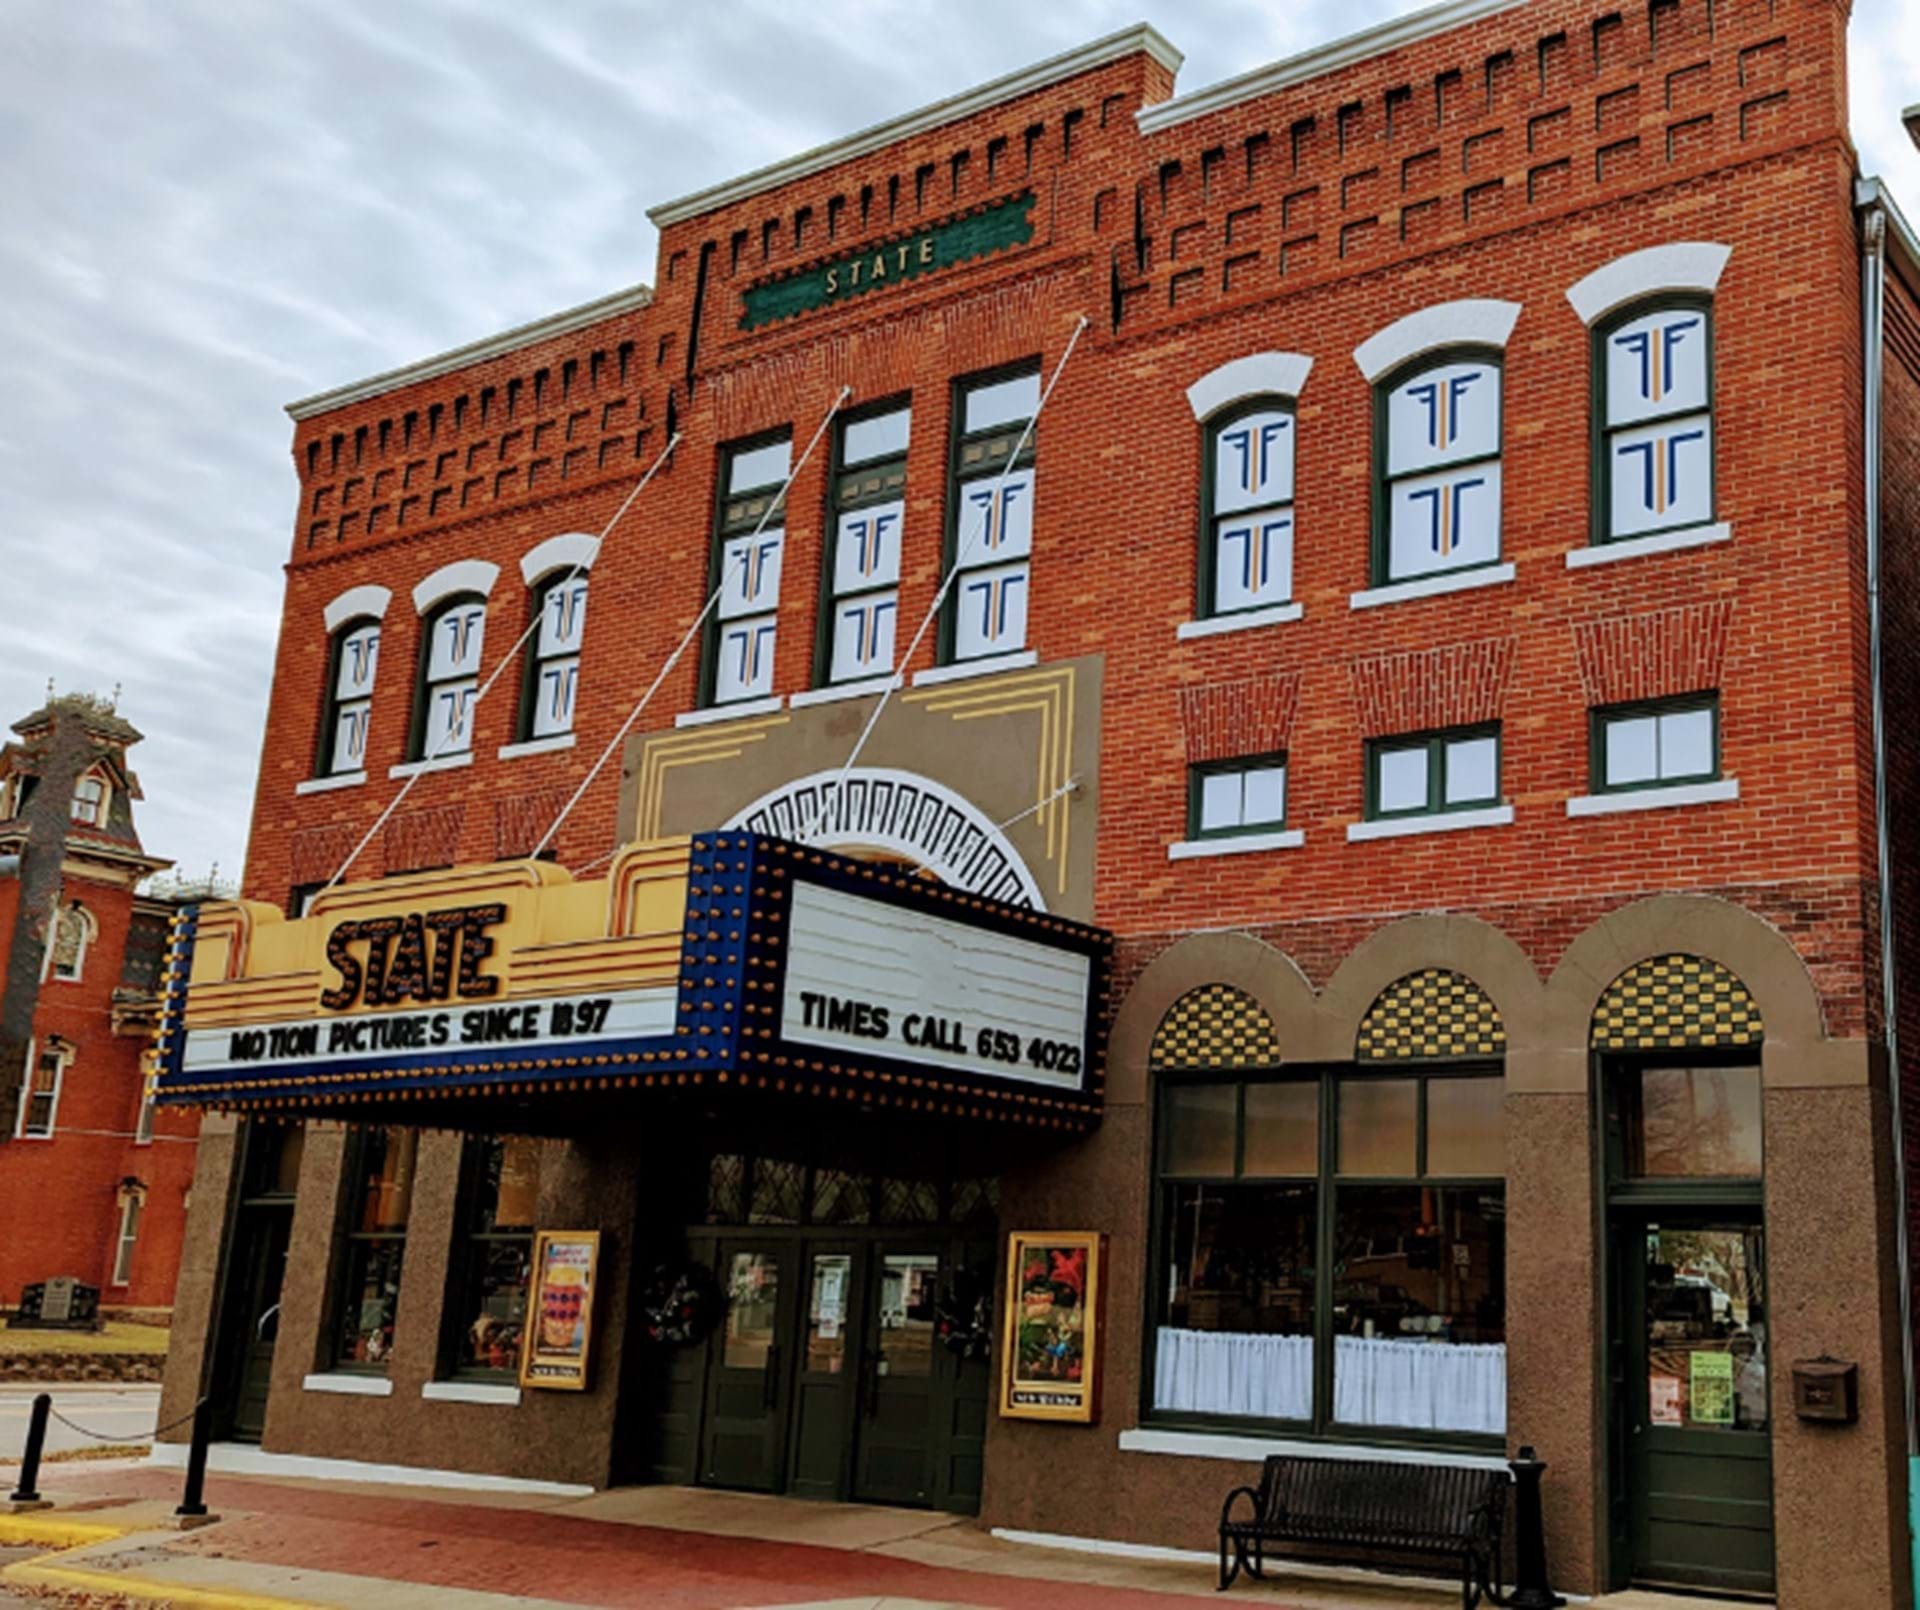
column 1693, row 1123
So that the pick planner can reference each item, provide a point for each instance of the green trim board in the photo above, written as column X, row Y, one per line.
column 995, row 227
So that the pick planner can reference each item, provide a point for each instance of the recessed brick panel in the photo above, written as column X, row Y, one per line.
column 1459, row 685
column 1234, row 719
column 1656, row 655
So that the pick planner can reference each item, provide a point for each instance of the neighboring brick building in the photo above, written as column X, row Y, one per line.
column 1427, row 627
column 94, row 1178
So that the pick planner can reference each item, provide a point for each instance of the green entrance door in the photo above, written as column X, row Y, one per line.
column 748, row 1397
column 826, row 1385
column 903, row 1386
column 1699, row 1487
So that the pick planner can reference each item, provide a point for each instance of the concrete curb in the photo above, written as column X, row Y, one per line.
column 67, row 1537
column 47, row 1530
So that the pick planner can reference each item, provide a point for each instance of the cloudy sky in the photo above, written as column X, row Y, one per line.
column 215, row 206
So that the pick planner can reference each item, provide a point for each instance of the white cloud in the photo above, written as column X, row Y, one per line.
column 217, row 205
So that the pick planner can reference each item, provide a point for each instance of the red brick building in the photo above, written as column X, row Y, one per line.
column 1387, row 537
column 94, row 1178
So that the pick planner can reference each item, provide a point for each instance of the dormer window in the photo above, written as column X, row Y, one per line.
column 90, row 802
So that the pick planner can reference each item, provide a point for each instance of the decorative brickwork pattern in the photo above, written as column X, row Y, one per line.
column 416, row 841
column 1654, row 656
column 1459, row 685
column 1215, row 1026
column 520, row 819
column 1431, row 1013
column 315, row 853
column 1236, row 719
column 1674, row 1003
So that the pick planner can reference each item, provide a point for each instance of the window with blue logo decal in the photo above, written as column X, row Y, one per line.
column 1247, row 548
column 749, row 541
column 1654, row 374
column 990, row 515
column 1439, row 456
column 553, row 659
column 451, row 641
column 866, row 528
column 349, row 713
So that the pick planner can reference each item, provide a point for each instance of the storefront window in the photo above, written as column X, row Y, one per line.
column 1692, row 1123
column 1278, row 1249
column 500, row 1203
column 380, row 1196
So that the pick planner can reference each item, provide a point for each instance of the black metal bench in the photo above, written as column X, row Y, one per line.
column 1363, row 1508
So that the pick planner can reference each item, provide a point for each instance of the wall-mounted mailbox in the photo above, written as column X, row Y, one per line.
column 1826, row 1389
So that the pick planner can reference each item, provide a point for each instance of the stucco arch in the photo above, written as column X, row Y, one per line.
column 1268, row 975
column 1476, row 950
column 1796, row 1051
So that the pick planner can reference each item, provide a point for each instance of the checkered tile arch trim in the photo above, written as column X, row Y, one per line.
column 1673, row 1002
column 1215, row 1026
column 1431, row 1013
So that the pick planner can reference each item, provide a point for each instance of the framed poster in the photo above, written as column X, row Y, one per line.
column 560, row 1310
column 1050, row 1364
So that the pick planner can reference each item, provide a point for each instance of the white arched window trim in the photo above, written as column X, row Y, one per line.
column 573, row 551
column 354, row 603
column 89, row 931
column 1477, row 323
column 1684, row 266
column 63, row 1053
column 1258, row 374
column 462, row 576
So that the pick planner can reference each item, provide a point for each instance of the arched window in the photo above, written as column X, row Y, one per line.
column 1246, row 550
column 73, row 932
column 451, row 640
column 1437, row 447
column 349, row 707
column 553, row 655
column 1653, row 418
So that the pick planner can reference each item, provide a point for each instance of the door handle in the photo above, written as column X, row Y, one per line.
column 770, row 1377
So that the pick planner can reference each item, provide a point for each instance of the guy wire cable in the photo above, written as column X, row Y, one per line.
column 459, row 724
column 779, row 503
column 835, row 792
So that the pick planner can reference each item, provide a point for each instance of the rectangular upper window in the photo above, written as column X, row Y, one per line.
column 990, row 515
column 749, row 537
column 1437, row 446
column 1653, row 745
column 1237, row 796
column 1653, row 374
column 1433, row 773
column 1246, row 549
column 866, row 527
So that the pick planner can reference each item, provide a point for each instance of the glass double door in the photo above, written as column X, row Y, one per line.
column 826, row 1379
column 1691, row 1391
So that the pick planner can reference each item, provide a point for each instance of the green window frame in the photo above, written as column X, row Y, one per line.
column 1317, row 1167
column 377, row 1198
column 1205, row 779
column 1605, row 722
column 1257, row 557
column 492, row 1263
column 428, row 688
column 1605, row 431
column 1385, row 479
column 861, row 480
column 1439, row 748
column 977, row 456
column 359, row 636
column 737, row 511
column 547, row 658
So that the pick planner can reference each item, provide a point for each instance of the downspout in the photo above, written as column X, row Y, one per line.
column 1873, row 268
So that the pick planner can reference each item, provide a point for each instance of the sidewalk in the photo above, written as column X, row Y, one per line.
column 282, row 1543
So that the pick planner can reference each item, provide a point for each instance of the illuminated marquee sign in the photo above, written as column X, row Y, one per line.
column 731, row 958
column 994, row 227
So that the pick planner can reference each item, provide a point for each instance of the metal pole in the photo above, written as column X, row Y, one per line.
column 192, row 1503
column 1530, row 1589
column 27, row 1493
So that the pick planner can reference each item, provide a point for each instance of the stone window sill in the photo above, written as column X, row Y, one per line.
column 728, row 712
column 548, row 745
column 1439, row 822
column 348, row 1385
column 413, row 768
column 1458, row 581
column 1250, row 620
column 863, row 689
column 471, row 1392
column 1239, row 844
column 1607, row 553
column 326, row 785
column 1655, row 799
column 968, row 669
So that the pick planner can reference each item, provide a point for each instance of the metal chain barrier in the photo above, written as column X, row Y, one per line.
column 122, row 1436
